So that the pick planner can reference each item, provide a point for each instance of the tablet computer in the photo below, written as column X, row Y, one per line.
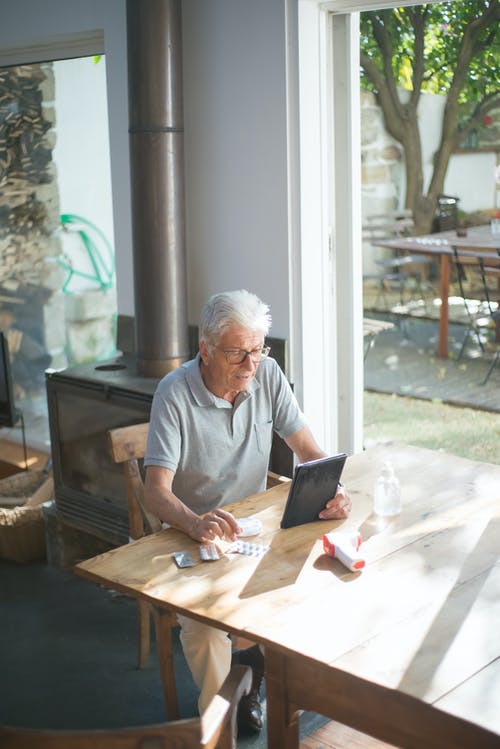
column 313, row 484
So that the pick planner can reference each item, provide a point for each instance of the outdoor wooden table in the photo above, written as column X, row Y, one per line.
column 478, row 242
column 407, row 650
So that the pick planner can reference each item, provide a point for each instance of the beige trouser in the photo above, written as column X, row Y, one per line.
column 208, row 655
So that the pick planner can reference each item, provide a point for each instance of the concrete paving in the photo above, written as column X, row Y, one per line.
column 404, row 361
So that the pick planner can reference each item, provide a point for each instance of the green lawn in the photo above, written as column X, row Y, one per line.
column 462, row 431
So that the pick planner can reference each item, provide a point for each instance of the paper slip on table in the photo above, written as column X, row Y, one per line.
column 407, row 650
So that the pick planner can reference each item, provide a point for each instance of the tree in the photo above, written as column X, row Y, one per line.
column 449, row 48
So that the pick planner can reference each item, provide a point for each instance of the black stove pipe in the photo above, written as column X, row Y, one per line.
column 156, row 137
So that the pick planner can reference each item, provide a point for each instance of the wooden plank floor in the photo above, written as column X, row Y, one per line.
column 334, row 735
column 12, row 458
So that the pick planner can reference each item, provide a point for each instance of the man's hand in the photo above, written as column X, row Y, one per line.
column 338, row 507
column 306, row 448
column 215, row 524
column 162, row 502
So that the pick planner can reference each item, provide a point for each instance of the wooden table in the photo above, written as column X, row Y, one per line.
column 408, row 650
column 479, row 242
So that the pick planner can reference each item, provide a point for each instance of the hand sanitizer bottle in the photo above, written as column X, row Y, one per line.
column 387, row 492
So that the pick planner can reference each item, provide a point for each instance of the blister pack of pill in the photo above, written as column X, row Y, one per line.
column 183, row 559
column 208, row 552
column 248, row 549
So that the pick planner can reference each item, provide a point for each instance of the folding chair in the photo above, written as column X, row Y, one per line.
column 483, row 314
column 447, row 212
column 400, row 271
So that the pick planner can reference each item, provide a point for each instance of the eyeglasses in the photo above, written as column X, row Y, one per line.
column 239, row 355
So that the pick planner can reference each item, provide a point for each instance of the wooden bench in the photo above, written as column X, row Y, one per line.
column 371, row 329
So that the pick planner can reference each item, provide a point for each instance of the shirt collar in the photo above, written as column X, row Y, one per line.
column 203, row 396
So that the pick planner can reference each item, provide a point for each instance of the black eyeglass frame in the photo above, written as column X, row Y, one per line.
column 262, row 353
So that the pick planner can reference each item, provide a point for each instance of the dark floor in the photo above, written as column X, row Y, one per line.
column 68, row 657
column 404, row 361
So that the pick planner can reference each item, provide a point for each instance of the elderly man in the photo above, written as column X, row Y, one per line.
column 212, row 422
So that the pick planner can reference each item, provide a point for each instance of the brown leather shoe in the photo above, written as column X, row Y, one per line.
column 250, row 710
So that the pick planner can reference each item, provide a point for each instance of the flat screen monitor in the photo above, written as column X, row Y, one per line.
column 9, row 416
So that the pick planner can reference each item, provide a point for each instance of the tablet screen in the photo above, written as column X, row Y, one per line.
column 314, row 483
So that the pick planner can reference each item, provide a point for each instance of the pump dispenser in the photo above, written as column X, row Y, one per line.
column 387, row 492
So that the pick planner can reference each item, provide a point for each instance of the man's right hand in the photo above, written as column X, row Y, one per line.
column 215, row 524
column 162, row 502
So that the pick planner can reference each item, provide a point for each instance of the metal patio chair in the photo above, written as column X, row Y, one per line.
column 403, row 272
column 482, row 312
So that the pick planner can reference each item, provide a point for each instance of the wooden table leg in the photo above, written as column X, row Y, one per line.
column 282, row 717
column 164, row 623
column 444, row 288
column 144, row 623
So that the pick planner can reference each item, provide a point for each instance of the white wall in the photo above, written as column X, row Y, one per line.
column 236, row 151
column 470, row 177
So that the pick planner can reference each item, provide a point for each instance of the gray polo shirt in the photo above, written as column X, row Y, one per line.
column 219, row 452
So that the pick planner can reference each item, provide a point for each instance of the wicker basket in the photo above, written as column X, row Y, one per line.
column 22, row 530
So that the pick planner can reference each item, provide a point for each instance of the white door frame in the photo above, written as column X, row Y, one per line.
column 329, row 364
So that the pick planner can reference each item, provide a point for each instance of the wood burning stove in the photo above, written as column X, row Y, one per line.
column 84, row 402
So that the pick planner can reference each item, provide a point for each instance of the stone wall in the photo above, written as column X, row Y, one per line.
column 382, row 162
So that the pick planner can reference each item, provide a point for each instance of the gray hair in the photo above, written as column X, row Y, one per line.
column 230, row 308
